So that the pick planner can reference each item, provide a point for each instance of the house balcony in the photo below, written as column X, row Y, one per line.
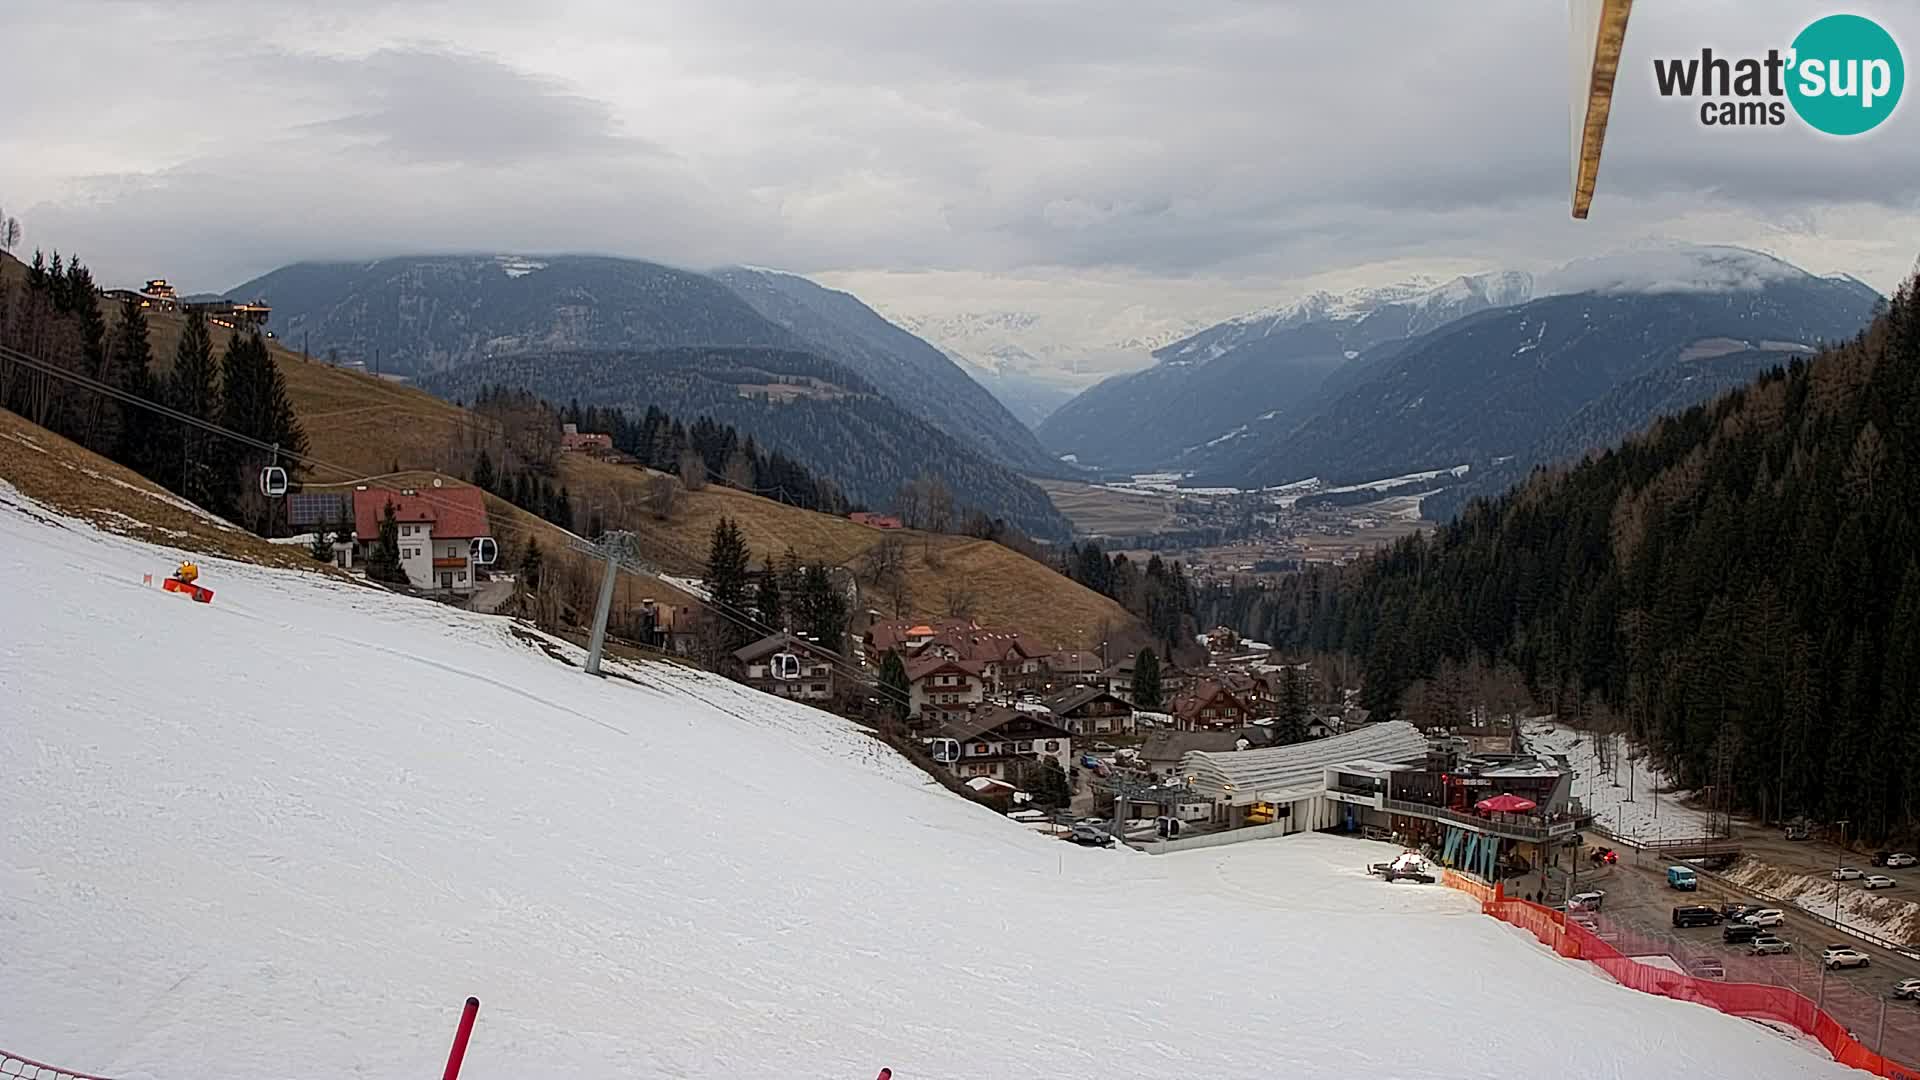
column 1527, row 827
column 455, row 562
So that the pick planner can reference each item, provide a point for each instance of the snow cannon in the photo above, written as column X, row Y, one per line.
column 186, row 580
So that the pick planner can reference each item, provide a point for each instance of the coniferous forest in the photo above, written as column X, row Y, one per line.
column 55, row 316
column 1740, row 584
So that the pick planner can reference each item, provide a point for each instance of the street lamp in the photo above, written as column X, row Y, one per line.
column 1836, row 869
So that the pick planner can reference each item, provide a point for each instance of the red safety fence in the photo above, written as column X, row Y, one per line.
column 13, row 1065
column 1752, row 1000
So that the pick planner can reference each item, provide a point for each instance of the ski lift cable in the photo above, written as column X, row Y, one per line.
column 739, row 618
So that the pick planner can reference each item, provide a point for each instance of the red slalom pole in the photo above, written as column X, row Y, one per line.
column 460, row 1037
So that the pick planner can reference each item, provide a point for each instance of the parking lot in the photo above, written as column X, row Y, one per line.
column 1638, row 911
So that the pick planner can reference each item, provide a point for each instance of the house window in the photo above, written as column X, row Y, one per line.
column 1053, row 746
column 818, row 688
column 1026, row 747
column 982, row 748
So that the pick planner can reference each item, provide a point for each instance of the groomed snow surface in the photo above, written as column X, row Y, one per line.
column 286, row 834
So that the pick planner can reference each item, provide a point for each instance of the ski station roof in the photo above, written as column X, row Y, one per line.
column 1244, row 776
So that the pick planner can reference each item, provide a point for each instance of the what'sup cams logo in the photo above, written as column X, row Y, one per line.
column 1842, row 75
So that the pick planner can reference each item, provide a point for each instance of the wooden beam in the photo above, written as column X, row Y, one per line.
column 1599, row 30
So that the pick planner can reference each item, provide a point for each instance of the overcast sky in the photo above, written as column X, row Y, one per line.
column 1194, row 157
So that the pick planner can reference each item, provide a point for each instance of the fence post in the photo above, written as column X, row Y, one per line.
column 1880, row 1033
column 460, row 1037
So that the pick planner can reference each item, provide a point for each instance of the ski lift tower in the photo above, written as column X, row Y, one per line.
column 615, row 548
column 1598, row 31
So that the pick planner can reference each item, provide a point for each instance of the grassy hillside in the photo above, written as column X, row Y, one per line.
column 80, row 483
column 367, row 425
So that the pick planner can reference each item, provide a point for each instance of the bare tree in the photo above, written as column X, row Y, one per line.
column 960, row 599
column 939, row 504
column 9, row 232
column 664, row 498
column 693, row 470
column 884, row 560
column 739, row 470
column 899, row 594
column 911, row 503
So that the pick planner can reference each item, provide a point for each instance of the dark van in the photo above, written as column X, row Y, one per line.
column 1695, row 915
column 1738, row 933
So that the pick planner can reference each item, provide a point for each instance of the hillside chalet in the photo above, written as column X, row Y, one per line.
column 437, row 529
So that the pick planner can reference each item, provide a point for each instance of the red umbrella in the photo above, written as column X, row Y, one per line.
column 1506, row 804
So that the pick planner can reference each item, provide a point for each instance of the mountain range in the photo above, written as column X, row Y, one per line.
column 1262, row 368
column 1498, row 372
column 428, row 317
column 1550, row 376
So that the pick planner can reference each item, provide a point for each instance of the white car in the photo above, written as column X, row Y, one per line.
column 1901, row 858
column 1878, row 881
column 1845, row 958
column 1766, row 916
column 1907, row 988
column 1847, row 873
column 1768, row 945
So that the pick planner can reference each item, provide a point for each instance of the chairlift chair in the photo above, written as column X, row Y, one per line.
column 273, row 481
column 482, row 551
column 786, row 666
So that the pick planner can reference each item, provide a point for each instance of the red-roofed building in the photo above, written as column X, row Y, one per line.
column 936, row 683
column 573, row 440
column 437, row 530
column 1210, row 706
column 875, row 521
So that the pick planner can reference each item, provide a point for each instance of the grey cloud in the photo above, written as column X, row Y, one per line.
column 1147, row 137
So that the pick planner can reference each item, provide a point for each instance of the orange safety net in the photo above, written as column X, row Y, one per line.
column 1777, row 1003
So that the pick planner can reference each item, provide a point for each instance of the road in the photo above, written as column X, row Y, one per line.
column 1639, row 908
column 1818, row 858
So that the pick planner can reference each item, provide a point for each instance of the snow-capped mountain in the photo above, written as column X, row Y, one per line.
column 1401, row 310
column 1257, row 369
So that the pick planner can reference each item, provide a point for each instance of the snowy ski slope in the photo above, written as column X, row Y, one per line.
column 286, row 834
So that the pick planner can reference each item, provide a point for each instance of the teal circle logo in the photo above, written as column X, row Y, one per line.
column 1846, row 74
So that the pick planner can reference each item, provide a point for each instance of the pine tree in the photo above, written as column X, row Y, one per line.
column 726, row 579
column 822, row 608
column 383, row 559
column 1146, row 681
column 532, row 566
column 322, row 547
column 895, row 690
column 194, row 388
column 1292, row 725
column 483, row 477
column 769, row 602
column 132, row 367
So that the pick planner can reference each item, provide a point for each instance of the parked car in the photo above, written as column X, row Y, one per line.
column 1603, row 856
column 1739, row 933
column 1087, row 834
column 1588, row 901
column 1682, row 878
column 1709, row 968
column 1900, row 858
column 1907, row 988
column 1766, row 916
column 1103, row 747
column 1736, row 911
column 1880, row 857
column 1768, row 945
column 1695, row 915
column 1848, row 873
column 1844, row 957
column 1878, row 881
column 1798, row 832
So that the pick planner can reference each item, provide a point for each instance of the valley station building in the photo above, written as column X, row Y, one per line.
column 1390, row 780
